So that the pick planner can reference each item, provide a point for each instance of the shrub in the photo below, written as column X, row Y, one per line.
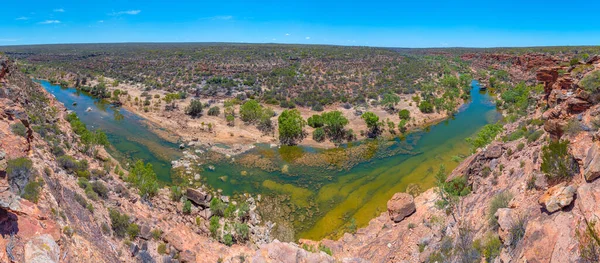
column 318, row 135
column 325, row 249
column 591, row 82
column 214, row 111
column 19, row 129
column 19, row 171
column 32, row 191
column 176, row 193
column 194, row 109
column 589, row 242
column 557, row 164
column 315, row 121
column 250, row 111
column 485, row 136
column 156, row 233
column 426, row 107
column 404, row 114
column 500, row 200
column 80, row 199
column 228, row 240
column 243, row 210
column 373, row 124
column 119, row 222
column 517, row 231
column 214, row 226
column 99, row 188
column 143, row 177
column 187, row 207
column 458, row 186
column 534, row 136
column 520, row 146
column 242, row 232
column 217, row 207
column 573, row 127
column 490, row 248
column 133, row 230
column 229, row 211
column 162, row 248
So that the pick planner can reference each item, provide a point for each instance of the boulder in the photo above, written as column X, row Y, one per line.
column 493, row 151
column 557, row 197
column 591, row 164
column 577, row 105
column 145, row 232
column 41, row 249
column 400, row 206
column 198, row 197
column 555, row 128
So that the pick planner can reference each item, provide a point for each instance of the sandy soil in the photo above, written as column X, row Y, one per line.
column 173, row 125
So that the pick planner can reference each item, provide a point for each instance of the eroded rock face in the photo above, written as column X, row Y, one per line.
column 591, row 164
column 42, row 249
column 288, row 253
column 400, row 206
column 557, row 197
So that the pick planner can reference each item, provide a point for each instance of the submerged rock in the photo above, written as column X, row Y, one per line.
column 400, row 206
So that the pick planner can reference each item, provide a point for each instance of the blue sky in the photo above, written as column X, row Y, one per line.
column 425, row 23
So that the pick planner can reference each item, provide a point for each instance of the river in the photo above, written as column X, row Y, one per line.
column 324, row 202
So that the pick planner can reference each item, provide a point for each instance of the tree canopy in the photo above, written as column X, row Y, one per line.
column 291, row 127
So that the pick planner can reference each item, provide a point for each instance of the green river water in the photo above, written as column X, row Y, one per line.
column 324, row 201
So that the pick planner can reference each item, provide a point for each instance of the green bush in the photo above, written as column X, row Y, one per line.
column 187, row 207
column 315, row 121
column 557, row 164
column 426, row 107
column 133, row 230
column 291, row 127
column 318, row 135
column 458, row 186
column 250, row 111
column 194, row 109
column 325, row 249
column 143, row 177
column 591, row 82
column 228, row 240
column 176, row 193
column 162, row 248
column 119, row 222
column 214, row 111
column 87, row 137
column 217, row 206
column 229, row 211
column 485, row 136
column 99, row 188
column 517, row 231
column 535, row 136
column 242, row 232
column 19, row 129
column 404, row 114
column 32, row 190
column 19, row 171
column 214, row 226
column 490, row 248
column 500, row 200
column 80, row 199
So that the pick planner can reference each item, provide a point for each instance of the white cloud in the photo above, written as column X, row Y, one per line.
column 59, row 10
column 128, row 12
column 222, row 17
column 307, row 38
column 100, row 21
column 50, row 22
column 22, row 18
column 287, row 34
